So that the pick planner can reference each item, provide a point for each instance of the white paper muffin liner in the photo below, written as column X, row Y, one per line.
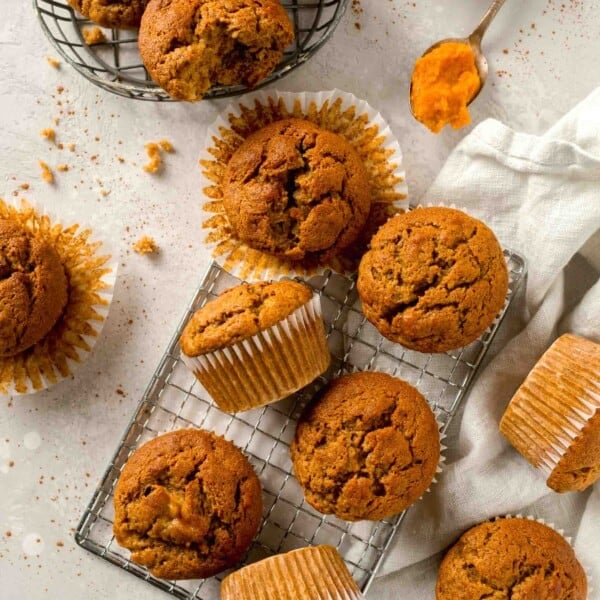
column 561, row 532
column 267, row 366
column 91, row 266
column 553, row 405
column 312, row 573
column 341, row 112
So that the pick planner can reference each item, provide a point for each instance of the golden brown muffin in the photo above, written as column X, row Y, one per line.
column 187, row 505
column 120, row 14
column 514, row 558
column 33, row 288
column 190, row 45
column 433, row 280
column 297, row 191
column 313, row 573
column 553, row 419
column 367, row 448
column 256, row 343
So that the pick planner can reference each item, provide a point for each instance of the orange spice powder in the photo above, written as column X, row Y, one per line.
column 444, row 81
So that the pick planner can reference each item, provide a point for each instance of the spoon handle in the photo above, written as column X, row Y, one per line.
column 492, row 11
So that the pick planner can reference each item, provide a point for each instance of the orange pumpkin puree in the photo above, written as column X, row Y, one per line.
column 443, row 83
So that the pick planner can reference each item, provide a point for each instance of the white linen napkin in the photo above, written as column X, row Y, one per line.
column 541, row 196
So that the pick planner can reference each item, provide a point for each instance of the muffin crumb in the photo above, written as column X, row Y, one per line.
column 49, row 134
column 62, row 168
column 155, row 162
column 93, row 36
column 53, row 62
column 47, row 174
column 166, row 146
column 146, row 245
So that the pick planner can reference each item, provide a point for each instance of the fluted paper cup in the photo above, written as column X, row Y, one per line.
column 313, row 573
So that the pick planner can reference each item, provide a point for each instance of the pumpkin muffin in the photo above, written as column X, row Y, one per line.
column 190, row 45
column 33, row 288
column 367, row 448
column 256, row 343
column 511, row 558
column 187, row 505
column 312, row 573
column 120, row 14
column 296, row 191
column 434, row 279
column 553, row 419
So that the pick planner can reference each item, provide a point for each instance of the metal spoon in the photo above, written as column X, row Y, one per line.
column 474, row 40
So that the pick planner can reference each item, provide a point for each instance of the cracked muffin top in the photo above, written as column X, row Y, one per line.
column 367, row 448
column 433, row 280
column 190, row 45
column 120, row 14
column 33, row 288
column 187, row 505
column 297, row 191
column 241, row 312
column 512, row 558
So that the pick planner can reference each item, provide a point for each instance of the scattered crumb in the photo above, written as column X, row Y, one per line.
column 62, row 168
column 93, row 36
column 53, row 62
column 166, row 146
column 146, row 245
column 49, row 134
column 24, row 186
column 153, row 152
column 47, row 174
column 60, row 544
column 71, row 147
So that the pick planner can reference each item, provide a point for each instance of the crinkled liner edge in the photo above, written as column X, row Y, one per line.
column 306, row 98
column 561, row 532
column 107, row 294
column 311, row 311
column 436, row 414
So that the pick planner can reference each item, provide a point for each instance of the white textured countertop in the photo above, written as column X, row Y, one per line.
column 54, row 445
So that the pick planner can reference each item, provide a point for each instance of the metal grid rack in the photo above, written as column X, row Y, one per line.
column 175, row 399
column 116, row 66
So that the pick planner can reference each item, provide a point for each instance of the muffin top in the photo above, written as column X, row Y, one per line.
column 511, row 558
column 297, row 191
column 190, row 45
column 121, row 14
column 433, row 280
column 241, row 312
column 187, row 504
column 366, row 448
column 33, row 288
column 310, row 573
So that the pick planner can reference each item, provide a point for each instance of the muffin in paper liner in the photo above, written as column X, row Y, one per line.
column 553, row 419
column 340, row 112
column 267, row 366
column 475, row 566
column 312, row 573
column 378, row 450
column 91, row 274
column 433, row 280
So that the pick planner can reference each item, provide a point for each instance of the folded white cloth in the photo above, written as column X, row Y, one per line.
column 541, row 196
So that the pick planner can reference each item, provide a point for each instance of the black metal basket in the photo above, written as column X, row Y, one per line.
column 116, row 66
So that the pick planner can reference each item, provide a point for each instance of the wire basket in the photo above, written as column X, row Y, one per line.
column 174, row 399
column 116, row 66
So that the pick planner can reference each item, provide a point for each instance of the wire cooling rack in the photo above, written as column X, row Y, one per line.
column 175, row 399
column 116, row 66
